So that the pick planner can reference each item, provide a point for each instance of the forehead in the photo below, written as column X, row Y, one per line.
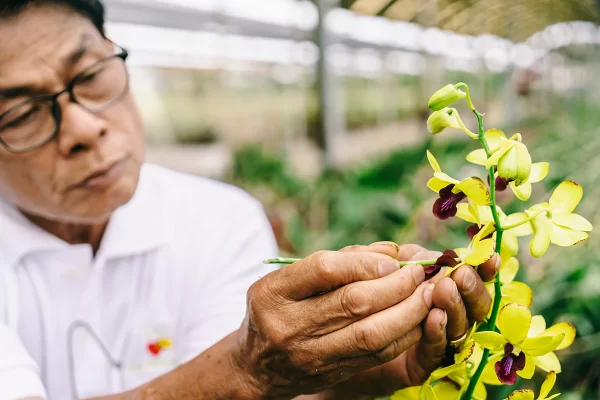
column 38, row 42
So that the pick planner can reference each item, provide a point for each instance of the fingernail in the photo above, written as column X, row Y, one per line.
column 428, row 295
column 498, row 263
column 455, row 295
column 418, row 273
column 444, row 322
column 469, row 282
column 387, row 267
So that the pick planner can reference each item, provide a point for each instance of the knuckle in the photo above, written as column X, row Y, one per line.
column 357, row 302
column 324, row 267
column 369, row 337
column 387, row 354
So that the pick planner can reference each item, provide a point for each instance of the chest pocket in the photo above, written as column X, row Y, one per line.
column 151, row 350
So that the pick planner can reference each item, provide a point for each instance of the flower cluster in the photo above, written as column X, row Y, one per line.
column 511, row 342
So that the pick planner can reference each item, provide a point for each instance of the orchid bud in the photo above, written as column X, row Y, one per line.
column 442, row 119
column 515, row 164
column 445, row 96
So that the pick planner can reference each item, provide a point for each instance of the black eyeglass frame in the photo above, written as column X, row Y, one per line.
column 121, row 53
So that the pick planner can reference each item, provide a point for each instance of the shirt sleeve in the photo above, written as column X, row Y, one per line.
column 19, row 375
column 217, row 300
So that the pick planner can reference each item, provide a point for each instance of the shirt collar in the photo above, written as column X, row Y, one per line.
column 137, row 227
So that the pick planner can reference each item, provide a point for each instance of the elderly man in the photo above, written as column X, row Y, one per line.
column 126, row 280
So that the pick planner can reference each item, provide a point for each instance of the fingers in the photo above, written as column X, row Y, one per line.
column 447, row 297
column 403, row 252
column 475, row 296
column 335, row 310
column 378, row 331
column 385, row 355
column 487, row 271
column 431, row 349
column 328, row 270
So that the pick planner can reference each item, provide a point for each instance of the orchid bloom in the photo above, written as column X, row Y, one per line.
column 452, row 191
column 480, row 250
column 510, row 243
column 509, row 155
column 519, row 345
column 526, row 394
column 555, row 222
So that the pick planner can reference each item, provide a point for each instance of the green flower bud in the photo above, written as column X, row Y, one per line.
column 445, row 96
column 442, row 119
column 515, row 164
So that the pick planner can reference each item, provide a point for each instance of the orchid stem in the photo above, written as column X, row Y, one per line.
column 287, row 261
column 468, row 395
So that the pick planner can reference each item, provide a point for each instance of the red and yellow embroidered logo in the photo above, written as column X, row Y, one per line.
column 159, row 345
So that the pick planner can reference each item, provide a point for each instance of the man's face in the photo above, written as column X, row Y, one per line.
column 93, row 166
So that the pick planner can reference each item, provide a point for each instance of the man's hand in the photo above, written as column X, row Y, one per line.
column 458, row 302
column 328, row 317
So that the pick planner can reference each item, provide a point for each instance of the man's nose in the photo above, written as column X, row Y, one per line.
column 80, row 129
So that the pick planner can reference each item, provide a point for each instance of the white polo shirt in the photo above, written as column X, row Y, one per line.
column 168, row 281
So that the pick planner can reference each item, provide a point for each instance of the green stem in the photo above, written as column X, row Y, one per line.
column 464, row 86
column 285, row 260
column 517, row 224
column 468, row 395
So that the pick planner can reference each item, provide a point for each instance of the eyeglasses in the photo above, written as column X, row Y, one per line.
column 35, row 122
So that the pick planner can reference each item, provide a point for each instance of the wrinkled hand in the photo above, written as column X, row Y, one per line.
column 458, row 300
column 320, row 321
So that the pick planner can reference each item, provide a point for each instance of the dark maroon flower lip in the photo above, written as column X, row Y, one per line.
column 447, row 259
column 445, row 206
column 507, row 367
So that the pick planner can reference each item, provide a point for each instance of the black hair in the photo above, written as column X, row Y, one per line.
column 90, row 9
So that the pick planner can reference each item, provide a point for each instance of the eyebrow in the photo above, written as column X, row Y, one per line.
column 31, row 90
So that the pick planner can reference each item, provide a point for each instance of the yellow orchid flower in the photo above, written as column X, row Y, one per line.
column 526, row 394
column 453, row 191
column 509, row 155
column 445, row 96
column 520, row 344
column 510, row 243
column 555, row 221
column 481, row 249
column 539, row 171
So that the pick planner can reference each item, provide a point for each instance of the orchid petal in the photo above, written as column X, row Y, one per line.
column 572, row 221
column 480, row 392
column 514, row 321
column 494, row 138
column 464, row 213
column 538, row 346
column 489, row 373
column 548, row 362
column 410, row 393
column 529, row 369
column 446, row 178
column 481, row 252
column 478, row 157
column 539, row 171
column 517, row 292
column 565, row 237
column 510, row 244
column 490, row 340
column 562, row 328
column 566, row 197
column 427, row 393
column 522, row 192
column 443, row 372
column 547, row 385
column 476, row 191
column 437, row 184
column 538, row 325
column 521, row 394
column 509, row 270
column 433, row 162
column 542, row 230
column 515, row 164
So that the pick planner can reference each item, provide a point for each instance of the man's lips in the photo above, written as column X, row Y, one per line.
column 102, row 176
